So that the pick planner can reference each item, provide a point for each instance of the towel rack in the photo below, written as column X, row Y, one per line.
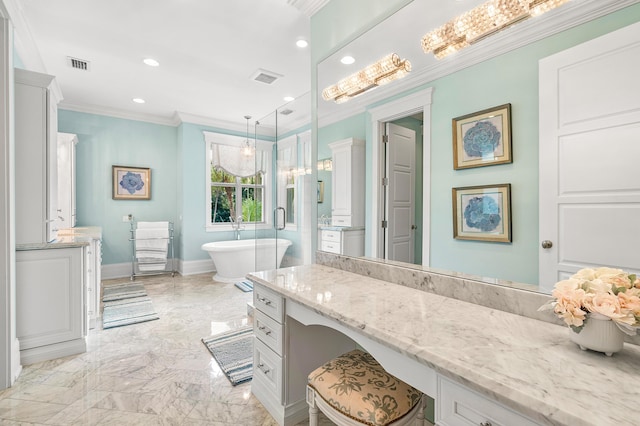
column 152, row 249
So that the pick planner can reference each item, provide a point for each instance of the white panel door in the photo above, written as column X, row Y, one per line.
column 400, row 193
column 589, row 150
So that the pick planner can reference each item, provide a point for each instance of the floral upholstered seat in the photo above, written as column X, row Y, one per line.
column 356, row 385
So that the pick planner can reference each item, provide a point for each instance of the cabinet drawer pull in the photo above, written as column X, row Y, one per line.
column 263, row 328
column 264, row 300
column 485, row 424
column 266, row 370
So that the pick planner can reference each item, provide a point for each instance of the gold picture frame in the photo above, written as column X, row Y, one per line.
column 482, row 213
column 131, row 183
column 482, row 138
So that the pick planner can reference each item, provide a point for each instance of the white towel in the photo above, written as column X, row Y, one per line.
column 152, row 239
column 153, row 225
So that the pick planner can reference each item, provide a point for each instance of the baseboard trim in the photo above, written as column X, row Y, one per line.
column 189, row 267
column 56, row 350
column 16, row 365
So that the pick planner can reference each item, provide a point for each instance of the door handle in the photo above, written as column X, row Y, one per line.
column 275, row 218
column 546, row 244
column 414, row 227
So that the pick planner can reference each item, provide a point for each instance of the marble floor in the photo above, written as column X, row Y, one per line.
column 153, row 373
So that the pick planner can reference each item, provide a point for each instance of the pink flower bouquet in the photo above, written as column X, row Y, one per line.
column 605, row 291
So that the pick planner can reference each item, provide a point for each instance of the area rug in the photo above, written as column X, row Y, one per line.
column 233, row 351
column 245, row 286
column 126, row 304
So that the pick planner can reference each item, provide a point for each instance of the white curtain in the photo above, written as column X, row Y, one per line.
column 233, row 161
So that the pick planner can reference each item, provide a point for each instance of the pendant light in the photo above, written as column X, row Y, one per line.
column 247, row 149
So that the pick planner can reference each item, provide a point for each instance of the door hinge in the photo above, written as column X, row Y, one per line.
column 384, row 224
column 385, row 181
column 385, row 138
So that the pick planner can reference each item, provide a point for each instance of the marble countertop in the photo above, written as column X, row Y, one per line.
column 526, row 364
column 67, row 238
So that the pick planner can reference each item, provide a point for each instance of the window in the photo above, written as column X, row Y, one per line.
column 236, row 183
column 287, row 180
column 227, row 189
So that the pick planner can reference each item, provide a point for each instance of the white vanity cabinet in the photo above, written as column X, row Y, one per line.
column 66, row 180
column 93, row 277
column 50, row 303
column 346, row 241
column 348, row 186
column 282, row 358
column 35, row 158
column 457, row 405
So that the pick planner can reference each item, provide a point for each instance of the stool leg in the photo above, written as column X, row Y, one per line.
column 420, row 421
column 313, row 408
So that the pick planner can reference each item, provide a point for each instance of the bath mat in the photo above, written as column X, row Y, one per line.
column 126, row 304
column 245, row 286
column 233, row 351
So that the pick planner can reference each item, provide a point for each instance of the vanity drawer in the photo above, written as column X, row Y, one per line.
column 457, row 405
column 341, row 220
column 329, row 235
column 330, row 246
column 268, row 331
column 267, row 368
column 268, row 302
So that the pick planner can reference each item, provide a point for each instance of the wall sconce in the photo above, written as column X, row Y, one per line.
column 481, row 22
column 325, row 164
column 387, row 69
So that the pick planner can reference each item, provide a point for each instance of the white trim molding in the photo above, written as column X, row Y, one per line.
column 415, row 103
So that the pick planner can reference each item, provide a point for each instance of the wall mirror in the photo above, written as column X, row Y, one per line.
column 454, row 94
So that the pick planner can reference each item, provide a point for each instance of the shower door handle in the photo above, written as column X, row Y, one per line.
column 275, row 218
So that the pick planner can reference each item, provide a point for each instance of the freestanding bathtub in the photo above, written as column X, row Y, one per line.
column 236, row 258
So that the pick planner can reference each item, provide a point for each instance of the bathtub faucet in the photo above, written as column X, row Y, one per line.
column 237, row 226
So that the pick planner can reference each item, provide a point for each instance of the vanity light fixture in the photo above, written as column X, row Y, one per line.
column 481, row 22
column 247, row 150
column 387, row 69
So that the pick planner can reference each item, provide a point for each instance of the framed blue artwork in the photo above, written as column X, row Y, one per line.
column 482, row 138
column 482, row 213
column 131, row 183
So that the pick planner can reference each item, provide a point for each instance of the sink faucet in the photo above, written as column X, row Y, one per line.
column 238, row 226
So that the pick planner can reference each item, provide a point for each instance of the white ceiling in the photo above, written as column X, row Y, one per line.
column 208, row 51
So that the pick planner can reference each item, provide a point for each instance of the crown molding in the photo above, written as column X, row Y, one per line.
column 308, row 7
column 116, row 113
column 568, row 16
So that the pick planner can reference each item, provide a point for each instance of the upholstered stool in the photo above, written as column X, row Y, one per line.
column 353, row 389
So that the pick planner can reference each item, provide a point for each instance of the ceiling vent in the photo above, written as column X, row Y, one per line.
column 79, row 64
column 286, row 111
column 264, row 76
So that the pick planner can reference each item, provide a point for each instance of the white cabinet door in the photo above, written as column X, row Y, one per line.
column 589, row 150
column 347, row 175
column 49, row 296
column 66, row 217
column 35, row 158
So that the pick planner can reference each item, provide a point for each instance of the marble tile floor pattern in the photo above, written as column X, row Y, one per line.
column 153, row 373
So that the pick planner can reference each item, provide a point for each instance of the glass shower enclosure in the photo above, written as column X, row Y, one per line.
column 289, row 190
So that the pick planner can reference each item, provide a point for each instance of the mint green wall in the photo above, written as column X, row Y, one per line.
column 510, row 78
column 106, row 141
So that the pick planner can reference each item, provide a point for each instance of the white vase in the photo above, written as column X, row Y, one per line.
column 599, row 334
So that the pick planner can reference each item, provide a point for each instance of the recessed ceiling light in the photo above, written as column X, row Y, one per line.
column 347, row 60
column 302, row 43
column 288, row 98
column 151, row 62
column 138, row 100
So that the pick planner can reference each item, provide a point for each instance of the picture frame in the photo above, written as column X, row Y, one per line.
column 482, row 138
column 320, row 191
column 131, row 183
column 482, row 213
